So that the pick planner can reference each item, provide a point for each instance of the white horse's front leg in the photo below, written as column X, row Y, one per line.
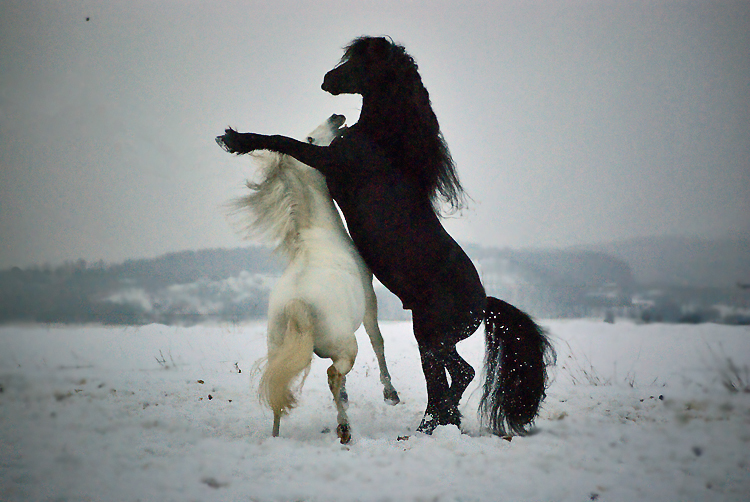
column 376, row 339
column 335, row 383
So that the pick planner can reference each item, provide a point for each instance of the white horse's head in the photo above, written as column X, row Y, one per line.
column 325, row 133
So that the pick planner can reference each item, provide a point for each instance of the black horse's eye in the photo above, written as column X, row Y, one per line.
column 310, row 140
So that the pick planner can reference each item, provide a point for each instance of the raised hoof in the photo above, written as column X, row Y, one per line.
column 228, row 141
column 391, row 397
column 344, row 433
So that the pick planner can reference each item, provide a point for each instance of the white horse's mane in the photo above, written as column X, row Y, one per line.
column 280, row 205
column 291, row 196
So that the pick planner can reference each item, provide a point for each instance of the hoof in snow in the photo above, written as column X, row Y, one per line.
column 344, row 433
column 391, row 397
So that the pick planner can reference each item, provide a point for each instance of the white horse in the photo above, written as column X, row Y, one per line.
column 326, row 291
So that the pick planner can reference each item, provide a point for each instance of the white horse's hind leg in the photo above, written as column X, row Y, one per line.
column 335, row 383
column 276, row 425
column 343, row 394
column 376, row 339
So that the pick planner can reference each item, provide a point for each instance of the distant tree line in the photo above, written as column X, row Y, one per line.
column 556, row 283
column 77, row 292
column 234, row 284
column 693, row 305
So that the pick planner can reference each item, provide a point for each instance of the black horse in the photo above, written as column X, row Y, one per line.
column 389, row 173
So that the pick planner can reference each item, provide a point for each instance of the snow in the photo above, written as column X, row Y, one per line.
column 634, row 412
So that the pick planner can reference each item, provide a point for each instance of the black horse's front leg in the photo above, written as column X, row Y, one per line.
column 241, row 142
column 319, row 157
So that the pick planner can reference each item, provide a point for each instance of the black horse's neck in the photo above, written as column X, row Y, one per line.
column 382, row 118
column 397, row 116
column 400, row 120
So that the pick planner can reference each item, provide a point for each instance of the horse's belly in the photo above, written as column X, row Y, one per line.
column 336, row 295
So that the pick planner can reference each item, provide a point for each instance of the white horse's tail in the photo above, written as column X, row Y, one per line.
column 278, row 206
column 287, row 360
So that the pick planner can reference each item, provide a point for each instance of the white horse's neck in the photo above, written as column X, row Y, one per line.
column 292, row 204
column 323, row 211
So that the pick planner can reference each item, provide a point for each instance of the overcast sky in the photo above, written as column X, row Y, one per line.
column 571, row 122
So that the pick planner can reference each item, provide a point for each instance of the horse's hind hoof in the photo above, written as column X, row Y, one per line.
column 428, row 424
column 434, row 418
column 391, row 397
column 344, row 433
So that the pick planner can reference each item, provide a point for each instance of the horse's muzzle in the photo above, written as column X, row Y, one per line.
column 328, row 84
column 327, row 87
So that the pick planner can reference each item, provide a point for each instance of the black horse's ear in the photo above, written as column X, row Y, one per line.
column 380, row 48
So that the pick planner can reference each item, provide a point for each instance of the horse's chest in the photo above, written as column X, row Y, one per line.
column 361, row 197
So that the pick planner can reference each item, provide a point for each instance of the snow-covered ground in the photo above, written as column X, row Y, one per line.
column 635, row 412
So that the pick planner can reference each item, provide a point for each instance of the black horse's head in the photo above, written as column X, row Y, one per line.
column 397, row 114
column 364, row 63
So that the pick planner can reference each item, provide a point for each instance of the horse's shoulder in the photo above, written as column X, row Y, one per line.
column 358, row 153
column 354, row 140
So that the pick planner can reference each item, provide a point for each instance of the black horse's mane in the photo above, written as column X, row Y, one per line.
column 402, row 119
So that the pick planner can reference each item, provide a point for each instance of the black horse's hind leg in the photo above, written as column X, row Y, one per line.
column 442, row 408
column 437, row 329
column 443, row 399
column 461, row 373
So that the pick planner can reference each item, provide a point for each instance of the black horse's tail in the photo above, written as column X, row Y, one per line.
column 516, row 359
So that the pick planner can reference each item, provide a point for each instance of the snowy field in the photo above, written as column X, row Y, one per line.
column 635, row 412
